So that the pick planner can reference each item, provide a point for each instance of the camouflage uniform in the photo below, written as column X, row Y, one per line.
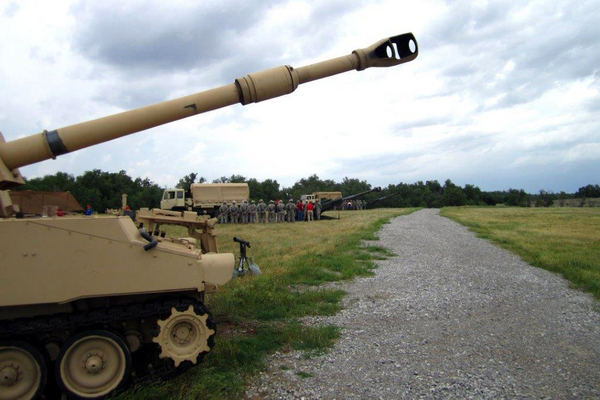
column 233, row 212
column 244, row 210
column 253, row 212
column 262, row 211
column 291, row 209
column 318, row 209
column 271, row 208
column 280, row 211
column 223, row 211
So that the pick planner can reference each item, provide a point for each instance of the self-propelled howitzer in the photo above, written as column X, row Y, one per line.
column 94, row 293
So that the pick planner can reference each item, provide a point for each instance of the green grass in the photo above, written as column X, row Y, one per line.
column 258, row 315
column 562, row 240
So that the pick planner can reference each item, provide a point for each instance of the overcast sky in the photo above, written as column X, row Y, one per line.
column 503, row 94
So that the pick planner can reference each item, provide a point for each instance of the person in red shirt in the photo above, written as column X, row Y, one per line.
column 309, row 211
column 300, row 208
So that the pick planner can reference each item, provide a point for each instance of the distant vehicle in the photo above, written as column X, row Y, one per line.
column 204, row 198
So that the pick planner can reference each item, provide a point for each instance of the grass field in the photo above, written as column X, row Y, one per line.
column 563, row 240
column 258, row 315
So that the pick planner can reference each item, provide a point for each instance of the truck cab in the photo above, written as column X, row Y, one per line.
column 173, row 199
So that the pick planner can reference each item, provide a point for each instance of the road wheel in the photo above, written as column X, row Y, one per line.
column 184, row 335
column 92, row 364
column 22, row 371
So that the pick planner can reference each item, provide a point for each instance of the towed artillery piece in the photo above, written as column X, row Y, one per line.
column 94, row 297
column 331, row 204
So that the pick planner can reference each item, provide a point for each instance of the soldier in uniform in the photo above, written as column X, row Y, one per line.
column 280, row 211
column 244, row 210
column 262, row 211
column 233, row 212
column 318, row 209
column 309, row 211
column 253, row 212
column 271, row 208
column 291, row 209
column 223, row 211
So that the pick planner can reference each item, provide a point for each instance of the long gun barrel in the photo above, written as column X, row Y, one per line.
column 385, row 197
column 252, row 88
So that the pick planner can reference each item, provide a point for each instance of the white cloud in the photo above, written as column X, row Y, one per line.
column 498, row 86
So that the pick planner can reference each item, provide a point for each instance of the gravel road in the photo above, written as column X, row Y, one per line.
column 452, row 316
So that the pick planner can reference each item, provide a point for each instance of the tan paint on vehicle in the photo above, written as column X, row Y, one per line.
column 205, row 196
column 82, row 257
column 213, row 194
column 328, row 195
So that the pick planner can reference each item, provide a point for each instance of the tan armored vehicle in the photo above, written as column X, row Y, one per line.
column 94, row 297
column 204, row 198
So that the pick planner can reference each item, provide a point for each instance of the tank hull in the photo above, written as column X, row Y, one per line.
column 66, row 259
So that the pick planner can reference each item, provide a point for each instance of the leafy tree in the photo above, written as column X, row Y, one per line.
column 517, row 198
column 544, row 199
column 59, row 182
column 187, row 181
column 350, row 186
column 562, row 197
column 231, row 179
column 473, row 194
column 588, row 191
column 454, row 196
column 100, row 189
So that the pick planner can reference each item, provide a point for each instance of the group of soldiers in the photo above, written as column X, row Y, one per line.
column 274, row 212
column 354, row 205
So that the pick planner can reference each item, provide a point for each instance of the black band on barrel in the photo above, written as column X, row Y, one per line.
column 57, row 147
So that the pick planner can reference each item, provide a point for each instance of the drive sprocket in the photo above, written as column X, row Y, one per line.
column 186, row 335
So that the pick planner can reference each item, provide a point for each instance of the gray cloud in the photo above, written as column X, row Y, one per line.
column 207, row 41
column 160, row 37
column 168, row 38
column 560, row 41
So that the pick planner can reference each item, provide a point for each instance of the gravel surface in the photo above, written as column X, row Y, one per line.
column 452, row 316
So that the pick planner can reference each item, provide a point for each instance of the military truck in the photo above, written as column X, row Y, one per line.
column 95, row 298
column 204, row 198
column 323, row 196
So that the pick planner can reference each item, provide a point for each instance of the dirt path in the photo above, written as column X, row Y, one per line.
column 452, row 316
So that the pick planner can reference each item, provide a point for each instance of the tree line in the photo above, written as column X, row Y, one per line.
column 103, row 190
column 100, row 189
